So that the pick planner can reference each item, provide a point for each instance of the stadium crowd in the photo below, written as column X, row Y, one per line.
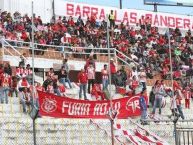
column 142, row 43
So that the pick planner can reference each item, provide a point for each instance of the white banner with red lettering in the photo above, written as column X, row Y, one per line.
column 63, row 107
column 131, row 16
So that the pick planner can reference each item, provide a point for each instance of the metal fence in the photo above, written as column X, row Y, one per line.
column 184, row 136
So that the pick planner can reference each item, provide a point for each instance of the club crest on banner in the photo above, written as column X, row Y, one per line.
column 49, row 105
column 133, row 104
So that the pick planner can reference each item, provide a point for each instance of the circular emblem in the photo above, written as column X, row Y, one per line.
column 49, row 105
column 133, row 104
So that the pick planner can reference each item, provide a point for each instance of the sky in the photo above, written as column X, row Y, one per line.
column 139, row 4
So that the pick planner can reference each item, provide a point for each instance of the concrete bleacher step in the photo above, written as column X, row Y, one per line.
column 10, row 108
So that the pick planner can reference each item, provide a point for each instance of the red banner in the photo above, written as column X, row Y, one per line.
column 63, row 107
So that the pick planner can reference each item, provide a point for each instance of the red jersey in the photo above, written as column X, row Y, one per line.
column 105, row 74
column 5, row 80
column 113, row 68
column 135, row 84
column 187, row 94
column 19, row 71
column 82, row 77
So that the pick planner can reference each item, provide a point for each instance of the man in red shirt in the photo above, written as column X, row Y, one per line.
column 82, row 79
column 113, row 70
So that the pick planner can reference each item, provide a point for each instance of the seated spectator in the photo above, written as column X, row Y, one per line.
column 23, row 83
column 62, row 89
column 50, row 88
column 39, row 87
column 97, row 93
column 63, row 77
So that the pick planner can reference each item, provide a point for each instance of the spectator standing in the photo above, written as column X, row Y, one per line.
column 112, row 19
column 118, row 81
column 23, row 60
column 124, row 75
column 91, row 76
column 20, row 72
column 173, row 106
column 142, row 78
column 113, row 70
column 179, row 104
column 159, row 94
column 82, row 79
column 28, row 73
column 134, row 84
column 13, row 86
column 187, row 96
column 5, row 78
column 25, row 99
column 7, row 69
column 105, row 77
column 143, row 108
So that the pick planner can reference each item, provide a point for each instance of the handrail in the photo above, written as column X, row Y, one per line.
column 13, row 48
column 126, row 56
column 73, row 48
column 56, row 46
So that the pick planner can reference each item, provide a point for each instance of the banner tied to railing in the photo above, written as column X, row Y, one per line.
column 64, row 107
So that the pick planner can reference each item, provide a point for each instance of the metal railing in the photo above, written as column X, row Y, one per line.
column 184, row 136
column 81, row 52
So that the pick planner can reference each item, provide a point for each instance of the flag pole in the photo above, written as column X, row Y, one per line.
column 111, row 115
